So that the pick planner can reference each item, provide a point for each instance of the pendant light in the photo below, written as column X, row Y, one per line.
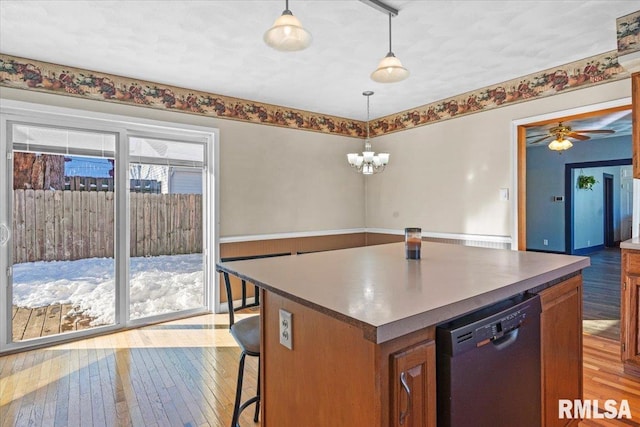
column 390, row 69
column 287, row 33
column 368, row 162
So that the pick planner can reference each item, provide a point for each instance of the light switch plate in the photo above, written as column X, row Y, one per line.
column 286, row 329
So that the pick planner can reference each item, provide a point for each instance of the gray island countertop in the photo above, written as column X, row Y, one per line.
column 387, row 296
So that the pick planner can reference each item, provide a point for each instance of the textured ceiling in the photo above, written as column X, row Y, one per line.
column 450, row 47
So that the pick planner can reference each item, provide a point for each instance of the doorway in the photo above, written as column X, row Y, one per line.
column 595, row 214
column 552, row 207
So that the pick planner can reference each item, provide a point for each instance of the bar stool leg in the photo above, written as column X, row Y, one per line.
column 255, row 417
column 236, row 407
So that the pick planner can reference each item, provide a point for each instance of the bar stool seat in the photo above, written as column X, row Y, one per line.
column 247, row 334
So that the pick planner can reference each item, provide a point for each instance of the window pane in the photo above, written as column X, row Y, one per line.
column 166, row 210
column 63, row 234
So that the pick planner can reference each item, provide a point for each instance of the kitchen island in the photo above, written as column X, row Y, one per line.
column 362, row 317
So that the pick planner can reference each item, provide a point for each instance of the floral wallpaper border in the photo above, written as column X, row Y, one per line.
column 628, row 27
column 587, row 72
column 40, row 76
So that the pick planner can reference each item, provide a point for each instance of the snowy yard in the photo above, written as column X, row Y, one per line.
column 159, row 284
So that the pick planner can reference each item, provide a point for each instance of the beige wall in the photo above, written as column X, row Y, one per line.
column 443, row 177
column 446, row 177
column 272, row 180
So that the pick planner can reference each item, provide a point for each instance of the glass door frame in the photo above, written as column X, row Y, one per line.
column 208, row 264
column 124, row 127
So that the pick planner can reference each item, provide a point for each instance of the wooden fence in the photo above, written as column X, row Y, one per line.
column 68, row 225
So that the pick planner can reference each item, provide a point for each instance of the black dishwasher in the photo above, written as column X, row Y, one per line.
column 488, row 366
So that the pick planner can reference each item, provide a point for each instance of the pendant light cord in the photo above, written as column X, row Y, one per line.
column 389, row 32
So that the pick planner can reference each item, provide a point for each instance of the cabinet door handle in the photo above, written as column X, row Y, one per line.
column 405, row 386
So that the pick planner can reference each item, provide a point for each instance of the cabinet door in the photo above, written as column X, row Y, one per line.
column 561, row 341
column 635, row 101
column 629, row 319
column 413, row 386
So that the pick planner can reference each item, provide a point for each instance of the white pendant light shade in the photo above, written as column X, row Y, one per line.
column 390, row 70
column 287, row 33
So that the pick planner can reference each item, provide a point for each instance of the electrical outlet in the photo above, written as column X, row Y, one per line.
column 545, row 242
column 286, row 329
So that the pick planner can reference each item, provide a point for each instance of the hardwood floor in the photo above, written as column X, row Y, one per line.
column 183, row 373
column 601, row 294
column 180, row 373
column 605, row 379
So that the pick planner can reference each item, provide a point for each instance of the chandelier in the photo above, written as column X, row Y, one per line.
column 368, row 162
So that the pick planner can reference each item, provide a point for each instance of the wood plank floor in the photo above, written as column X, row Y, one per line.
column 183, row 373
column 601, row 307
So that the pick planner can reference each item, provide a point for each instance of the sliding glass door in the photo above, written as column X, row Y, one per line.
column 62, row 207
column 166, row 271
column 101, row 226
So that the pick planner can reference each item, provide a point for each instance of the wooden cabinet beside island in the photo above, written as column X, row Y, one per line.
column 630, row 307
column 363, row 328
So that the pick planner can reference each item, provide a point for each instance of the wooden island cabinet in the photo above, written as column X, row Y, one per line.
column 363, row 324
column 630, row 307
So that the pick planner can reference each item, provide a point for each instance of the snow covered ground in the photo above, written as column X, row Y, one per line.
column 159, row 284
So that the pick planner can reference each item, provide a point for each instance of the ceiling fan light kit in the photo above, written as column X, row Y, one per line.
column 560, row 144
column 287, row 33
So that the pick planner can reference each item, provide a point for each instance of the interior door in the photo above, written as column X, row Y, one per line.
column 607, row 184
column 626, row 202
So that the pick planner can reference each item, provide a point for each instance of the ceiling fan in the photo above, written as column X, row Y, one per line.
column 562, row 132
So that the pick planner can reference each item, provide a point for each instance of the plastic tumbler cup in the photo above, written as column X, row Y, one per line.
column 412, row 242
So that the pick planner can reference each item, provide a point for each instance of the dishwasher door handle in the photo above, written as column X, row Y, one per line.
column 506, row 340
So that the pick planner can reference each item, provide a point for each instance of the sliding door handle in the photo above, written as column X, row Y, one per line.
column 5, row 233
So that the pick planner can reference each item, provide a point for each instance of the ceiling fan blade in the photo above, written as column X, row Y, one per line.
column 541, row 139
column 578, row 136
column 537, row 135
column 595, row 131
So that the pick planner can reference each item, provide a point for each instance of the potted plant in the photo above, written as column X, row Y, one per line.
column 586, row 182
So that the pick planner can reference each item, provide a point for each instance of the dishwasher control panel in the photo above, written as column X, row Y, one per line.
column 500, row 327
column 487, row 324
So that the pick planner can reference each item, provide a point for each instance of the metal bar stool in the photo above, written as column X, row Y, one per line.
column 246, row 332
